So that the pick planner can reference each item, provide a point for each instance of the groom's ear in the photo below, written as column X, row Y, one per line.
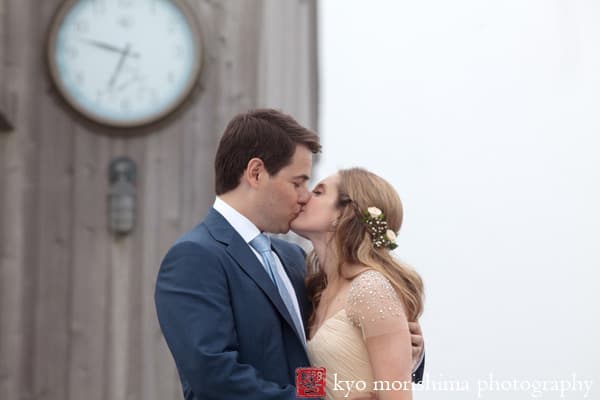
column 255, row 170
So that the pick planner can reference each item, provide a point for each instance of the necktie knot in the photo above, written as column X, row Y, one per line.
column 261, row 243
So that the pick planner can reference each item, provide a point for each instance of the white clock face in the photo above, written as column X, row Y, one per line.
column 124, row 62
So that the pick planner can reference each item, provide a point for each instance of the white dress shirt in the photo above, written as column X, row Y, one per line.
column 248, row 231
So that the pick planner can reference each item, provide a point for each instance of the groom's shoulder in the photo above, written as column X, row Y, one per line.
column 201, row 234
column 196, row 240
column 198, row 235
column 288, row 247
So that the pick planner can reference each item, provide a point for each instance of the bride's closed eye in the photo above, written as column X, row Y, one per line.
column 318, row 190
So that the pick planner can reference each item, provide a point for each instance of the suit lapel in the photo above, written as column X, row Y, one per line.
column 240, row 251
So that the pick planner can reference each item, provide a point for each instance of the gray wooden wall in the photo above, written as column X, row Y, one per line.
column 77, row 317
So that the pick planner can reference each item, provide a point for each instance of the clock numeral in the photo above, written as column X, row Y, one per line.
column 79, row 78
column 72, row 52
column 125, row 3
column 171, row 77
column 125, row 22
column 133, row 77
column 99, row 6
column 112, row 98
column 82, row 26
column 140, row 93
column 125, row 105
column 178, row 51
column 172, row 26
column 154, row 99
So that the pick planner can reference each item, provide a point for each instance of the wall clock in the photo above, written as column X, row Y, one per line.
column 124, row 63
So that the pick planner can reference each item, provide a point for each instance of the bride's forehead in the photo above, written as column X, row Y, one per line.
column 328, row 184
column 330, row 180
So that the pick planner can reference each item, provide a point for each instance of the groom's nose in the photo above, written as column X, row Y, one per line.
column 304, row 196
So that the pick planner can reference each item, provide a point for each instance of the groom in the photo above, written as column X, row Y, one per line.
column 230, row 300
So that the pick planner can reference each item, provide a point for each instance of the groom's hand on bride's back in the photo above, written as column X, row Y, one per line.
column 416, row 336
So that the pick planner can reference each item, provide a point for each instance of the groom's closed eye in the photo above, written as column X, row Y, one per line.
column 300, row 180
column 298, row 184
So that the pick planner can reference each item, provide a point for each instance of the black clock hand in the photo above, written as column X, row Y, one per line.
column 109, row 47
column 119, row 66
column 127, row 83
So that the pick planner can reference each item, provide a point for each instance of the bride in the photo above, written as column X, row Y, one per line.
column 363, row 298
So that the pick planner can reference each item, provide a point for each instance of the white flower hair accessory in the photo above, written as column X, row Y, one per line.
column 390, row 235
column 374, row 212
column 377, row 226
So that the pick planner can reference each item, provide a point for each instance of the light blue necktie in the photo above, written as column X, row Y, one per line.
column 262, row 244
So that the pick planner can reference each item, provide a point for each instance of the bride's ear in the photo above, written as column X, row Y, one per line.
column 335, row 222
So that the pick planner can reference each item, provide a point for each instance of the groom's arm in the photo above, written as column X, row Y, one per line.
column 194, row 311
column 417, row 375
column 418, row 351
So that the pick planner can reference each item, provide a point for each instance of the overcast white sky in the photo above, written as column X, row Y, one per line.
column 485, row 116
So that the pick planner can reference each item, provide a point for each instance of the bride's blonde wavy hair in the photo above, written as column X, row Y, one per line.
column 358, row 190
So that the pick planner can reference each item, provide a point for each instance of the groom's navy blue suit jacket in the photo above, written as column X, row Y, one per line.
column 223, row 319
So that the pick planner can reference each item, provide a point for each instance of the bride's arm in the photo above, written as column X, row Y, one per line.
column 375, row 307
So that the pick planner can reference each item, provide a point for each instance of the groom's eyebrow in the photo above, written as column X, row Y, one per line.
column 301, row 177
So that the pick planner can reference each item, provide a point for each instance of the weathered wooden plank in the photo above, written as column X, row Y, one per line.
column 119, row 325
column 90, row 267
column 11, row 276
column 17, row 260
column 3, row 37
column 157, row 378
column 7, row 110
column 287, row 65
column 205, row 124
column 238, row 71
column 311, row 99
column 54, row 231
column 136, row 150
column 162, row 191
column 7, row 106
column 55, row 242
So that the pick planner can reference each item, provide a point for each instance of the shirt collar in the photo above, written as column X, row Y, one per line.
column 239, row 222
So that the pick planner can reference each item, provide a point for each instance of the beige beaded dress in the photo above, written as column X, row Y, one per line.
column 373, row 309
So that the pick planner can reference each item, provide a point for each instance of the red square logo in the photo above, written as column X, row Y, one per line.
column 310, row 382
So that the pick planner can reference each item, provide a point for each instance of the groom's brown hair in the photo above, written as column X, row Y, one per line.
column 267, row 134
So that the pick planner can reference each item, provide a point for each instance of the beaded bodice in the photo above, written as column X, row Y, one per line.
column 372, row 309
